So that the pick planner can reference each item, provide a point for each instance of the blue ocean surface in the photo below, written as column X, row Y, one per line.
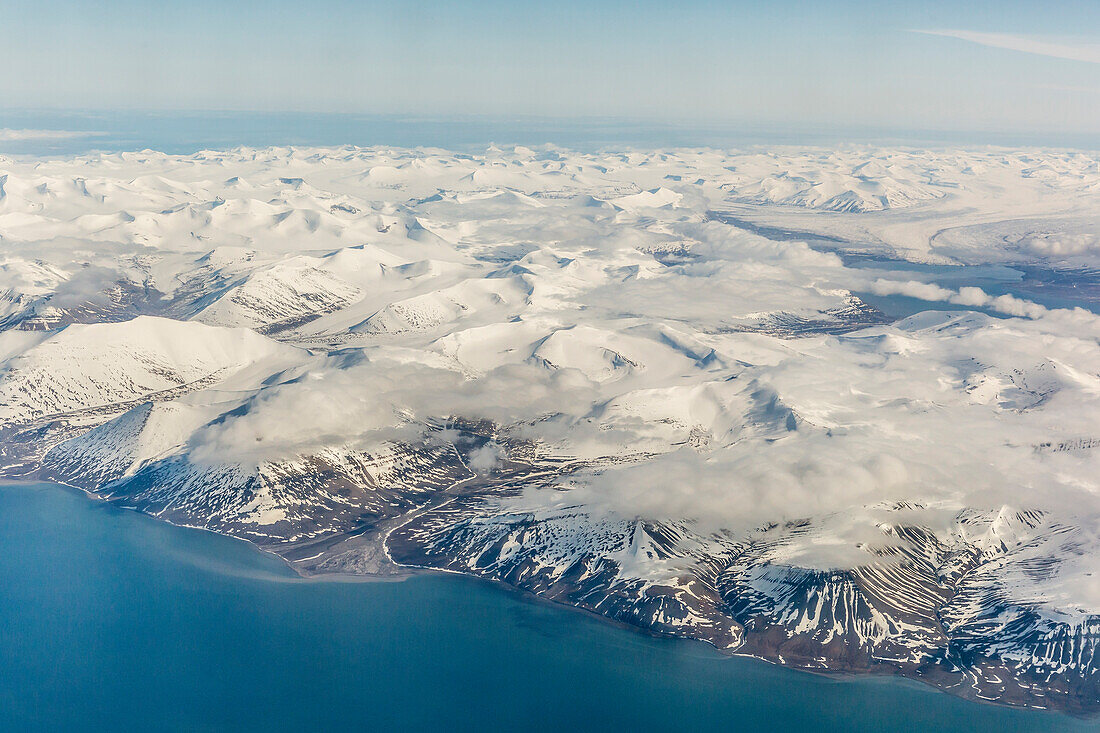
column 189, row 131
column 114, row 621
column 1050, row 288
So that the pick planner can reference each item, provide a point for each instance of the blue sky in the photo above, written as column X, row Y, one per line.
column 990, row 65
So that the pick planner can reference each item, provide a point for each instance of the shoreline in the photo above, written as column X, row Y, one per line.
column 404, row 572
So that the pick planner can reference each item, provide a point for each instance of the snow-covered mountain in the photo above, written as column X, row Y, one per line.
column 832, row 408
column 85, row 366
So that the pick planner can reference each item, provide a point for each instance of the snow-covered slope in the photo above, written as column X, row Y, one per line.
column 751, row 397
column 98, row 365
column 281, row 296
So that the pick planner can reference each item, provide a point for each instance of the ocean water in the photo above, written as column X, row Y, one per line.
column 183, row 132
column 1047, row 287
column 113, row 621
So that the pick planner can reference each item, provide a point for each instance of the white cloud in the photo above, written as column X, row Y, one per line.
column 1087, row 52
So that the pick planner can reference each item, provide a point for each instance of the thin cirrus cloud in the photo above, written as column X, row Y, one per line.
column 1087, row 52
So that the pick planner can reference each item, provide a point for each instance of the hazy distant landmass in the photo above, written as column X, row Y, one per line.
column 836, row 407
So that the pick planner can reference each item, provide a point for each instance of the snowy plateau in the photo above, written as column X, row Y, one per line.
column 662, row 386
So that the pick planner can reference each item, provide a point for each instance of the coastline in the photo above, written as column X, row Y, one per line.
column 404, row 572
